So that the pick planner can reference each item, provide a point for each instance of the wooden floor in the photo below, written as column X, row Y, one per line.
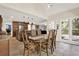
column 17, row 48
column 4, row 48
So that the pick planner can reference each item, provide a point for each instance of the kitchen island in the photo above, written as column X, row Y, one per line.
column 4, row 45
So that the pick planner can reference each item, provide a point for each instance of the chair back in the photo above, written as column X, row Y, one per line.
column 54, row 34
column 38, row 32
column 25, row 37
column 19, row 36
column 33, row 33
column 49, row 36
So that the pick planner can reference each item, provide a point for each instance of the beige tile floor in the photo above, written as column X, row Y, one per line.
column 62, row 49
column 65, row 49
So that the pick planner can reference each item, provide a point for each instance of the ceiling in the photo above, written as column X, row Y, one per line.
column 41, row 9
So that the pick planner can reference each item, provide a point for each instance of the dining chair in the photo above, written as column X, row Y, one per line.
column 49, row 40
column 55, row 31
column 45, row 45
column 38, row 44
column 53, row 40
column 27, row 43
column 19, row 36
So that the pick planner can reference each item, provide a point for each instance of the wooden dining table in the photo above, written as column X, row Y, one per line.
column 40, row 39
column 44, row 36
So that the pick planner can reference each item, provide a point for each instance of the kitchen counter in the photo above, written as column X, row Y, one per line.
column 4, row 45
column 4, row 37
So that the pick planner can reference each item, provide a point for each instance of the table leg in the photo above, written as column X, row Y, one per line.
column 40, row 47
column 8, row 48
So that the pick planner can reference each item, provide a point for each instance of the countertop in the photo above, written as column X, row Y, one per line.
column 4, row 37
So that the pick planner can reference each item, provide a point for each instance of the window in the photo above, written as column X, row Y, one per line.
column 64, row 25
column 75, row 26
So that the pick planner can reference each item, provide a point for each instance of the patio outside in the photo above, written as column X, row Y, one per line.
column 75, row 29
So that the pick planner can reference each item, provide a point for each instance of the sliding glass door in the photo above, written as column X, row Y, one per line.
column 70, row 29
column 75, row 29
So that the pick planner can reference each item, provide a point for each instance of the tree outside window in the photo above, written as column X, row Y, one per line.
column 75, row 26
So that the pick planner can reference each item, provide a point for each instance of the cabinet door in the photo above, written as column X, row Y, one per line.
column 4, row 48
column 0, row 22
column 26, row 26
column 15, row 28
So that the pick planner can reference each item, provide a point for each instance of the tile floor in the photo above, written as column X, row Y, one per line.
column 65, row 49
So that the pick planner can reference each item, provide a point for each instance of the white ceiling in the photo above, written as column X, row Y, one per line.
column 41, row 9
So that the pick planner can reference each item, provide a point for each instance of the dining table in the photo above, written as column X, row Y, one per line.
column 44, row 36
column 39, row 39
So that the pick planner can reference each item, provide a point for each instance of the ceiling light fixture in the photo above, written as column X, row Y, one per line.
column 50, row 5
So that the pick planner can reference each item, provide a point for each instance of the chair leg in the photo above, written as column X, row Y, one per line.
column 40, row 48
column 55, row 44
column 47, row 50
column 24, row 51
column 28, row 49
column 52, row 48
column 37, row 48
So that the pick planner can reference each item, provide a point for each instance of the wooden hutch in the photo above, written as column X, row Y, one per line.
column 16, row 25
